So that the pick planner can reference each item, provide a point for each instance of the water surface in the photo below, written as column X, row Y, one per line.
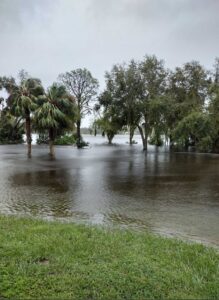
column 175, row 194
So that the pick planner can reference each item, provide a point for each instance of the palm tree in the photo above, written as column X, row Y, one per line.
column 54, row 113
column 22, row 101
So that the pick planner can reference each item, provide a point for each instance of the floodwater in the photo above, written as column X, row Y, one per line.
column 175, row 194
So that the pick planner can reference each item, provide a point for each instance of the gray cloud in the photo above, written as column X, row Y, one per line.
column 47, row 37
column 15, row 14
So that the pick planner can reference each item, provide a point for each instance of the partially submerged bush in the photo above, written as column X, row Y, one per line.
column 65, row 140
column 156, row 140
column 11, row 129
column 82, row 143
column 42, row 139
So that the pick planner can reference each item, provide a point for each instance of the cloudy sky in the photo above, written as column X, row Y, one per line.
column 48, row 37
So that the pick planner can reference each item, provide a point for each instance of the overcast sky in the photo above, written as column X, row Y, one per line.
column 48, row 37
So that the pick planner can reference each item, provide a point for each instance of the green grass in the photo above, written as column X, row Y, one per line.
column 52, row 260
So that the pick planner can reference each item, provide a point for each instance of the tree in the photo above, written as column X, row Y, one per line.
column 109, row 126
column 119, row 100
column 54, row 113
column 187, row 92
column 157, row 120
column 130, row 93
column 80, row 84
column 22, row 101
column 127, row 88
column 153, row 77
column 112, row 119
column 195, row 130
column 213, row 107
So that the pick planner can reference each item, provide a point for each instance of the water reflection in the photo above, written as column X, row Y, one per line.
column 170, row 193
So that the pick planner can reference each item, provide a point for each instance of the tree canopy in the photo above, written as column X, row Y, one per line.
column 83, row 87
column 177, row 107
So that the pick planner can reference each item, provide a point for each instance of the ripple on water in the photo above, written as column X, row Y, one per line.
column 172, row 194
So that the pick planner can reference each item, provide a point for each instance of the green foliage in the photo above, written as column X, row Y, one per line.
column 195, row 130
column 156, row 140
column 157, row 110
column 187, row 92
column 109, row 126
column 82, row 144
column 182, row 105
column 55, row 110
column 22, row 98
column 205, row 144
column 43, row 138
column 65, row 140
column 11, row 128
column 214, row 114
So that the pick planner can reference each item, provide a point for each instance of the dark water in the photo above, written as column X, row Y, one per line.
column 169, row 193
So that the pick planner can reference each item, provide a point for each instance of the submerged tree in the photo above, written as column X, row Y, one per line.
column 120, row 98
column 213, row 107
column 194, row 130
column 112, row 118
column 55, row 113
column 187, row 93
column 83, row 87
column 22, row 101
column 127, row 91
column 153, row 76
column 131, row 94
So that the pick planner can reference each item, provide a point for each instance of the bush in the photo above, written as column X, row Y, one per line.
column 11, row 130
column 62, row 140
column 43, row 139
column 156, row 140
column 82, row 143
column 65, row 140
column 205, row 144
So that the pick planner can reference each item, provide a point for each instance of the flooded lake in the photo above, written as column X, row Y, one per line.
column 175, row 194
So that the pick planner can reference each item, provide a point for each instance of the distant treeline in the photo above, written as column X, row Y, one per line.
column 179, row 106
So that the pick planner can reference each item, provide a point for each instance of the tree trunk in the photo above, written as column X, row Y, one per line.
column 110, row 137
column 51, row 143
column 186, row 146
column 28, row 134
column 215, row 148
column 78, row 123
column 143, row 137
column 131, row 134
column 171, row 144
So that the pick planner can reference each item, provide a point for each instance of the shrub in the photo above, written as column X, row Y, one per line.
column 65, row 140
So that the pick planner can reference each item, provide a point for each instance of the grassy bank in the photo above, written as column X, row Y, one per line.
column 59, row 261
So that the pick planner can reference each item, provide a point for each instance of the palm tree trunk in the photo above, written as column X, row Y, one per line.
column 51, row 143
column 28, row 134
column 78, row 124
column 131, row 134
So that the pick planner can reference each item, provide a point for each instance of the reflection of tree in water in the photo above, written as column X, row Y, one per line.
column 52, row 179
column 165, row 192
column 47, row 192
column 160, row 177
